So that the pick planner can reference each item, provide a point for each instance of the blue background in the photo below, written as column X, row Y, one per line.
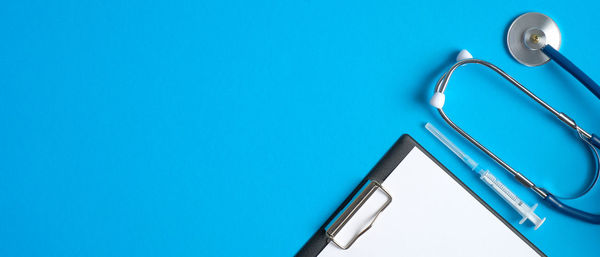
column 196, row 128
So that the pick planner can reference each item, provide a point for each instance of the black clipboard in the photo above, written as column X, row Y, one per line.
column 392, row 158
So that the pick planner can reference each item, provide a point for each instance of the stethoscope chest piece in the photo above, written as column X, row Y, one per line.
column 528, row 34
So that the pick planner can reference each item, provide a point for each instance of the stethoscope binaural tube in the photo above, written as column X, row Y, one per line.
column 438, row 101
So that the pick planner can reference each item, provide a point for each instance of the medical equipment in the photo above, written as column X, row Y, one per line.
column 591, row 140
column 534, row 39
column 515, row 202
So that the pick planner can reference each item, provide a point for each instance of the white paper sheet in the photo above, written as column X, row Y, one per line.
column 430, row 215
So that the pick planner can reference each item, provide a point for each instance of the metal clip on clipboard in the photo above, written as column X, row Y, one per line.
column 359, row 199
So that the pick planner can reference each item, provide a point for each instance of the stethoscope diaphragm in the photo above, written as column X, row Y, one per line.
column 530, row 32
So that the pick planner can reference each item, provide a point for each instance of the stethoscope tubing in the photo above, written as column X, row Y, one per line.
column 561, row 60
column 548, row 197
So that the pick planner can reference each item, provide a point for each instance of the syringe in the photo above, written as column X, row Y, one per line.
column 522, row 208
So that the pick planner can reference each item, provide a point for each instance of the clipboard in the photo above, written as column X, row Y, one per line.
column 375, row 182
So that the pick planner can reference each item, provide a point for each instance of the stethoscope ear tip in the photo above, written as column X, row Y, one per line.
column 437, row 100
column 463, row 54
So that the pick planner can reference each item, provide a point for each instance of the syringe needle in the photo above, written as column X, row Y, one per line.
column 464, row 157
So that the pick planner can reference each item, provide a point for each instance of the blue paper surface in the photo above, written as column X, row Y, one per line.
column 235, row 128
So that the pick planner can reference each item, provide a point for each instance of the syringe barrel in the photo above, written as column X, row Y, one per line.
column 514, row 201
column 504, row 192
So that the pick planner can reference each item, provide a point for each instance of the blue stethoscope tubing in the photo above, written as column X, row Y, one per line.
column 561, row 60
column 592, row 140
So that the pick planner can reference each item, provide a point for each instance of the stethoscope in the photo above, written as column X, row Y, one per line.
column 532, row 40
